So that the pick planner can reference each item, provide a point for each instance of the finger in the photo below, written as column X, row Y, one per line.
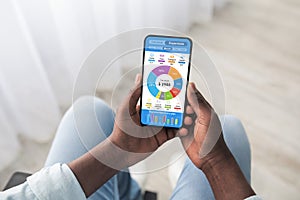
column 138, row 107
column 173, row 132
column 135, row 94
column 183, row 132
column 167, row 134
column 136, row 116
column 160, row 138
column 163, row 136
column 200, row 96
column 188, row 121
column 157, row 141
column 196, row 100
column 189, row 110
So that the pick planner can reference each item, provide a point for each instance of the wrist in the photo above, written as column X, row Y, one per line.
column 225, row 176
column 218, row 158
column 111, row 155
column 92, row 169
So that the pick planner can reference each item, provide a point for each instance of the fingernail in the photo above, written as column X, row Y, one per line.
column 137, row 78
column 192, row 84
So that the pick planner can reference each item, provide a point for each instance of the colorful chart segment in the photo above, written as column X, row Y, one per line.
column 161, row 70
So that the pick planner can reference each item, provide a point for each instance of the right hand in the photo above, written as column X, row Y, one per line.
column 201, row 135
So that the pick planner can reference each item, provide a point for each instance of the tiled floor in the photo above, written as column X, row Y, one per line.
column 255, row 45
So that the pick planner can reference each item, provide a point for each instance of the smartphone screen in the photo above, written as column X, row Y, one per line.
column 166, row 66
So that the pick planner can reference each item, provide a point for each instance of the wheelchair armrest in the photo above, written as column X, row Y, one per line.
column 16, row 179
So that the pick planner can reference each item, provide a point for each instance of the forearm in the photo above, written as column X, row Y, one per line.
column 90, row 170
column 226, row 178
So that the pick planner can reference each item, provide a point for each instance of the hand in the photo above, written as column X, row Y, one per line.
column 203, row 141
column 201, row 135
column 128, row 144
column 130, row 136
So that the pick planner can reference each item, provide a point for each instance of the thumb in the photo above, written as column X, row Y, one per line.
column 196, row 100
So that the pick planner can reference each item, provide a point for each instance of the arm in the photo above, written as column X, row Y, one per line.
column 90, row 172
column 128, row 144
column 203, row 140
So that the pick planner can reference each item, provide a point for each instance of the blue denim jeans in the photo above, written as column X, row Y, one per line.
column 89, row 121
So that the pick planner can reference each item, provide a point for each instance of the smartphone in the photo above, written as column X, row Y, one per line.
column 166, row 69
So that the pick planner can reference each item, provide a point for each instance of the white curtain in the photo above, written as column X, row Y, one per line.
column 44, row 42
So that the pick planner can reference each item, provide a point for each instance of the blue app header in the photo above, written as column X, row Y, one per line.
column 168, row 44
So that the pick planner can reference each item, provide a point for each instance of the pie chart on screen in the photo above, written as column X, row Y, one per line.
column 164, row 82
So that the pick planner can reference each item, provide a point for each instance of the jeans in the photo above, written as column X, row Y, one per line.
column 95, row 121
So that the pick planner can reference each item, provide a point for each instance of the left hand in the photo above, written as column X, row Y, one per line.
column 130, row 135
column 128, row 144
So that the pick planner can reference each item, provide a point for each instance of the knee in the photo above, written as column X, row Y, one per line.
column 237, row 141
column 88, row 101
column 93, row 105
column 230, row 121
column 94, row 112
column 233, row 130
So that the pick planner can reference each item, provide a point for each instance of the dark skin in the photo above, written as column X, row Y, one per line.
column 128, row 145
column 205, row 146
